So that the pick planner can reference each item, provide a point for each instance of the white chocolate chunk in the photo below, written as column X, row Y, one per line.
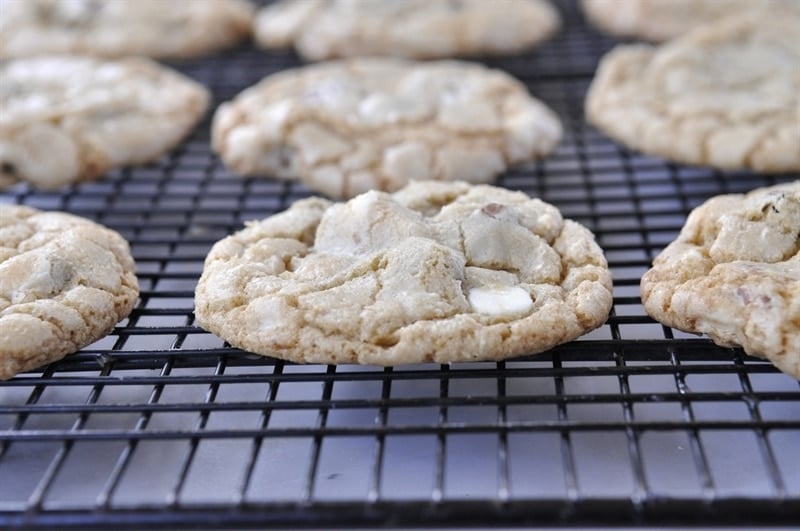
column 500, row 300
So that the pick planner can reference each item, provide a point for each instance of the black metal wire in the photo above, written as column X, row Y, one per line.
column 172, row 212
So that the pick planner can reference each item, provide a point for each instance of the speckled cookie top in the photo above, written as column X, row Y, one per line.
column 68, row 119
column 422, row 29
column 660, row 20
column 734, row 274
column 344, row 128
column 64, row 282
column 724, row 95
column 117, row 28
column 435, row 272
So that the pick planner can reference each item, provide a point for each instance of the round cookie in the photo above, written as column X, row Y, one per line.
column 661, row 20
column 64, row 283
column 346, row 127
column 725, row 95
column 734, row 273
column 420, row 29
column 71, row 119
column 117, row 28
column 436, row 272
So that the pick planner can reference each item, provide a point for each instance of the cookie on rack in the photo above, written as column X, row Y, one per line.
column 725, row 95
column 436, row 272
column 68, row 119
column 660, row 20
column 419, row 29
column 734, row 273
column 65, row 282
column 117, row 28
column 347, row 127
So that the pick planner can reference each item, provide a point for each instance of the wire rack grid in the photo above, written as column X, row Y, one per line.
column 162, row 423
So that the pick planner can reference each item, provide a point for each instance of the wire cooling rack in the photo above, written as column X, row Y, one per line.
column 161, row 423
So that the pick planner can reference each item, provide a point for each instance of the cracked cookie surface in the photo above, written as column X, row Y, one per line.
column 659, row 20
column 420, row 29
column 436, row 272
column 347, row 127
column 118, row 28
column 725, row 95
column 71, row 119
column 65, row 282
column 734, row 273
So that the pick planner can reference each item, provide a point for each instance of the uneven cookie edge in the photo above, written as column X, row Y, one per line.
column 16, row 363
column 659, row 286
column 622, row 66
column 460, row 338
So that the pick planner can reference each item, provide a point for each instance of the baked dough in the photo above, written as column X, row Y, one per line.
column 734, row 273
column 725, row 95
column 436, row 272
column 421, row 29
column 347, row 127
column 65, row 282
column 117, row 28
column 69, row 119
column 661, row 20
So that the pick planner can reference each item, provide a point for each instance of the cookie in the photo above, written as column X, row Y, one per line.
column 117, row 28
column 436, row 272
column 65, row 282
column 71, row 119
column 420, row 29
column 347, row 127
column 734, row 273
column 660, row 20
column 725, row 95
